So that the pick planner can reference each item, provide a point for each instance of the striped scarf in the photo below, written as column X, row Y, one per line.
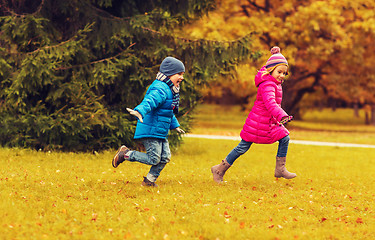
column 175, row 91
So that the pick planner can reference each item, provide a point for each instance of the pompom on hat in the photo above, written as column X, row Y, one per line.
column 275, row 60
column 171, row 66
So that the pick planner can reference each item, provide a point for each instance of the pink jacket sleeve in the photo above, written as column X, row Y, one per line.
column 271, row 101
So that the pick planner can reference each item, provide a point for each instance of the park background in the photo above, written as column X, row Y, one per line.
column 68, row 70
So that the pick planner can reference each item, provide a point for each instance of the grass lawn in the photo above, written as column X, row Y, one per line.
column 81, row 196
column 325, row 125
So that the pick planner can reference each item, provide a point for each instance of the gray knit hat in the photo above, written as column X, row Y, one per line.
column 171, row 66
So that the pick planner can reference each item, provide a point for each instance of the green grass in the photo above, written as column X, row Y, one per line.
column 81, row 196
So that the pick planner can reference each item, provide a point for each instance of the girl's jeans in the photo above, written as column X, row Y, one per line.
column 243, row 146
column 157, row 154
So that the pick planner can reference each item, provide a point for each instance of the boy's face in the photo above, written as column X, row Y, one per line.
column 177, row 79
column 280, row 72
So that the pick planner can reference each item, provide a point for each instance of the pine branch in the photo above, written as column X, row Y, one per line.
column 7, row 9
column 94, row 62
column 62, row 43
column 200, row 40
column 112, row 17
column 54, row 46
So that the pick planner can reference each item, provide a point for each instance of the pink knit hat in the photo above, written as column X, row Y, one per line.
column 275, row 60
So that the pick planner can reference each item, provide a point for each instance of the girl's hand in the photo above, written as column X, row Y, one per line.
column 179, row 130
column 286, row 119
column 136, row 114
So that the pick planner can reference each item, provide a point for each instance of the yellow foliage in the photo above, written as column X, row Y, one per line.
column 318, row 38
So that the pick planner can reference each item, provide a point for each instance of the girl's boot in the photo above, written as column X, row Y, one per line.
column 219, row 170
column 280, row 170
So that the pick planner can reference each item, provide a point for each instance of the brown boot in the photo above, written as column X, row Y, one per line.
column 219, row 170
column 120, row 156
column 148, row 183
column 280, row 170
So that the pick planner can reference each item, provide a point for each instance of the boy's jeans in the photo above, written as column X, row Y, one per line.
column 158, row 154
column 243, row 146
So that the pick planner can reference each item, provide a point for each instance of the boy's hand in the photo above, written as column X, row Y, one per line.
column 179, row 130
column 136, row 114
column 286, row 119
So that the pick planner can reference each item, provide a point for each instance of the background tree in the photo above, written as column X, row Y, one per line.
column 327, row 43
column 68, row 69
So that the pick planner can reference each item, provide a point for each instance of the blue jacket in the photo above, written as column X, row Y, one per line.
column 157, row 113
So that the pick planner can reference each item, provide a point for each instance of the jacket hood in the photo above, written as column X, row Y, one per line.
column 259, row 78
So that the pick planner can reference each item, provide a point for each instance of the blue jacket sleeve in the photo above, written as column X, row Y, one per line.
column 174, row 122
column 152, row 100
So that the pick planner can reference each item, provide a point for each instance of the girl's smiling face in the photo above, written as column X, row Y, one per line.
column 280, row 72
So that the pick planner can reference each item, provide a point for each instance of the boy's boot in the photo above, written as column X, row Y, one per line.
column 219, row 170
column 120, row 156
column 280, row 170
column 148, row 183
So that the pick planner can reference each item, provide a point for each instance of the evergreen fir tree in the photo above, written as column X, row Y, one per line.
column 68, row 69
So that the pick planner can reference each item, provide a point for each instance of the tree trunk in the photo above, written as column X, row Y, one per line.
column 373, row 114
column 367, row 118
column 333, row 104
column 367, row 110
column 356, row 110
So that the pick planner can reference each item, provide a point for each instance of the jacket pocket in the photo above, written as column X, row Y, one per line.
column 163, row 125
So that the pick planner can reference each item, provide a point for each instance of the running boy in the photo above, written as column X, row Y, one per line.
column 156, row 116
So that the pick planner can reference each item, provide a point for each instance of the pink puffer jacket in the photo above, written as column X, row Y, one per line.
column 261, row 125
